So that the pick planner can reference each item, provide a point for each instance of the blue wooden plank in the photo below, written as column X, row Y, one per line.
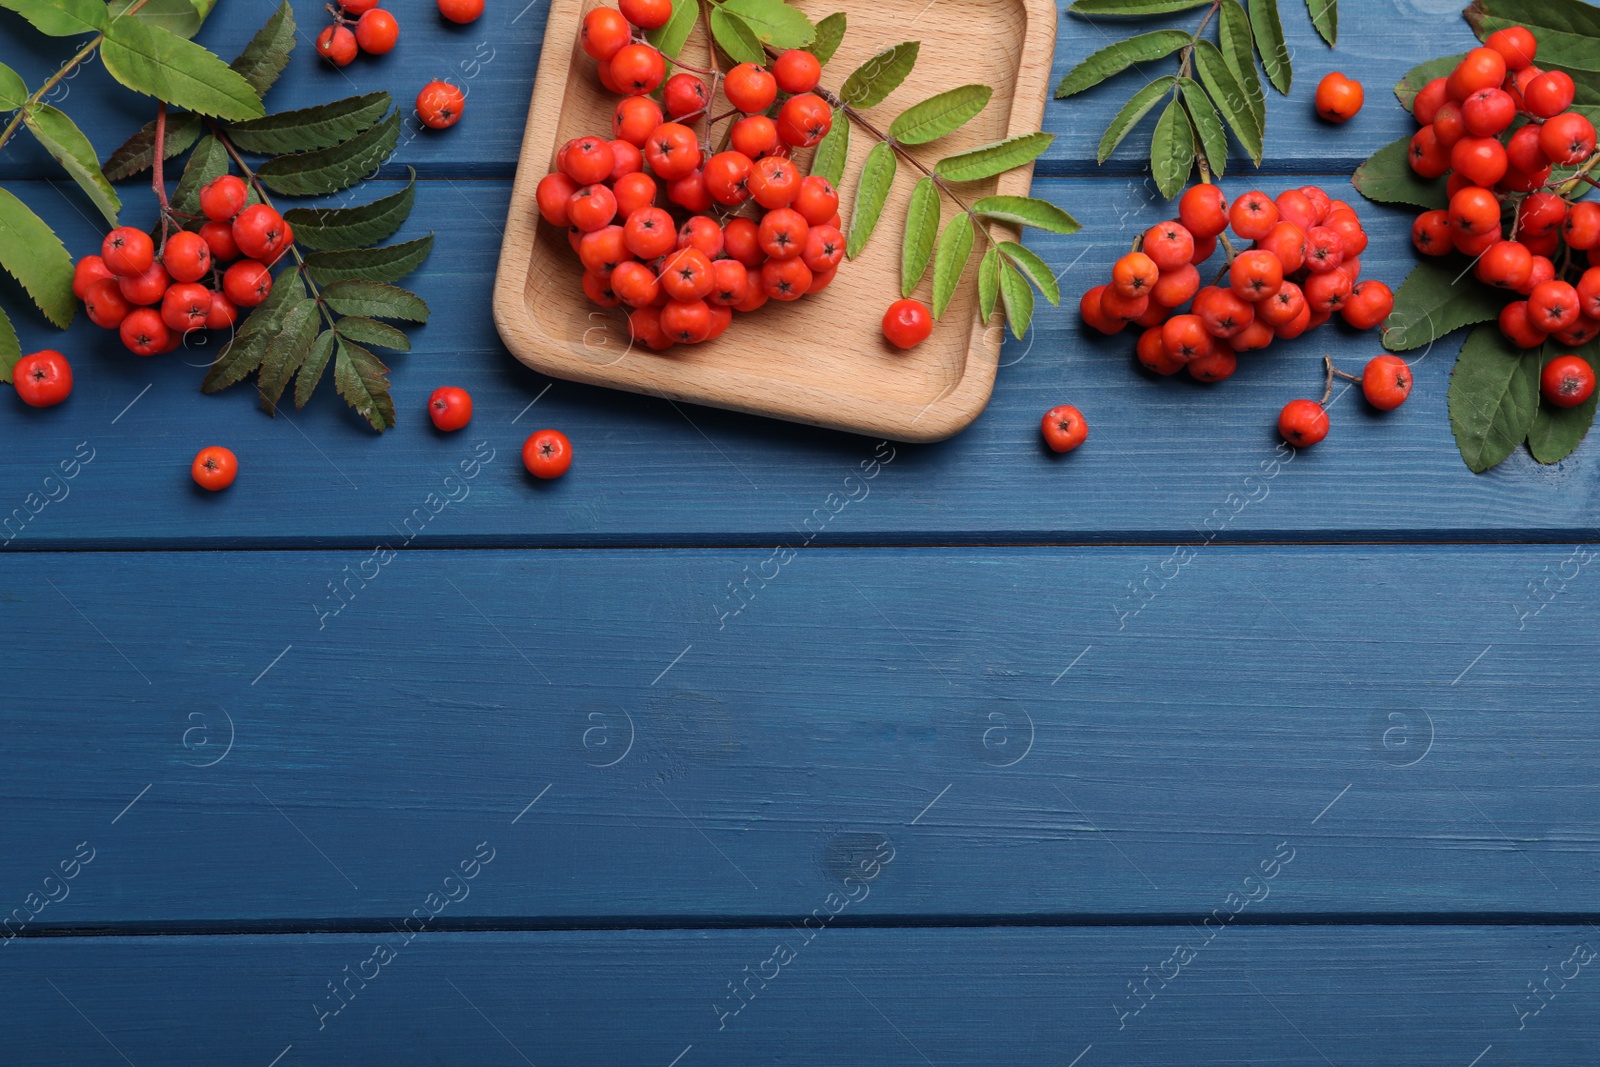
column 286, row 740
column 1165, row 457
column 495, row 57
column 1296, row 996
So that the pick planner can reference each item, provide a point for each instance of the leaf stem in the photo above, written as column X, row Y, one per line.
column 158, row 181
column 39, row 94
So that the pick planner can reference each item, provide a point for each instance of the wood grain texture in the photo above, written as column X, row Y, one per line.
column 1043, row 733
column 495, row 59
column 1296, row 996
column 821, row 360
column 1163, row 454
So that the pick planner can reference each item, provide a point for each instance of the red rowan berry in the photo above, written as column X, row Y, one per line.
column 127, row 251
column 1428, row 99
column 461, row 12
column 1488, row 111
column 785, row 279
column 1255, row 275
column 797, row 71
column 1567, row 139
column 246, row 283
column 261, row 233
column 750, row 88
column 774, row 182
column 1203, row 211
column 439, row 105
column 1295, row 326
column 686, row 321
column 1549, row 94
column 673, row 151
column 1303, row 423
column 104, row 303
column 1338, row 98
column 605, row 33
column 634, row 119
column 650, row 232
column 1581, row 230
column 597, row 287
column 1431, row 233
column 1506, row 264
column 644, row 326
column 592, row 208
column 1579, row 333
column 1176, row 287
column 1327, row 292
column 601, row 250
column 187, row 257
column 223, row 198
column 1567, row 381
column 1170, row 244
column 1135, row 274
column 1553, row 305
column 690, row 193
column 1480, row 160
column 223, row 314
column 1223, row 313
column 1369, row 303
column 1518, row 327
column 547, row 453
column 1450, row 124
column 1516, row 46
column 377, row 32
column 755, row 136
column 741, row 240
column 1152, row 354
column 727, row 175
column 86, row 272
column 1185, row 337
column 1475, row 211
column 907, row 323
column 143, row 332
column 1063, row 427
column 687, row 275
column 732, row 282
column 804, row 120
column 42, row 379
column 1324, row 249
column 1428, row 157
column 1386, row 382
column 1283, row 306
column 817, row 200
column 1253, row 215
column 553, row 194
column 685, row 95
column 146, row 288
column 634, row 191
column 637, row 69
column 186, row 306
column 1118, row 308
column 1216, row 365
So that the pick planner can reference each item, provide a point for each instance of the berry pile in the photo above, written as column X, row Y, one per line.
column 154, row 296
column 1501, row 176
column 1302, row 267
column 684, row 277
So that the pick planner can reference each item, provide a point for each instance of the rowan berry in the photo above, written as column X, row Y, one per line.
column 439, row 105
column 1506, row 264
column 1480, row 160
column 1296, row 208
column 817, row 200
column 1170, row 244
column 1553, row 306
column 246, row 283
column 1369, row 303
column 261, row 233
column 1287, row 241
column 104, row 303
column 907, row 323
column 1567, row 381
column 605, row 33
column 1517, row 181
column 601, row 250
column 1174, row 288
column 1549, row 94
column 43, row 379
column 1218, row 364
column 1579, row 333
column 597, row 287
column 1338, row 97
column 1516, row 84
column 1303, row 423
column 755, row 136
column 1185, row 337
column 223, row 197
column 337, row 45
column 785, row 279
column 214, row 468
column 1428, row 99
column 1255, row 275
column 1428, row 157
column 587, row 160
column 143, row 332
column 824, row 248
column 637, row 69
column 1543, row 270
column 634, row 119
column 690, row 193
column 685, row 95
column 755, row 299
column 750, row 88
column 686, row 321
column 1581, row 230
column 687, row 275
column 127, row 251
column 1253, row 215
column 721, row 313
column 1450, row 124
column 628, row 161
column 1324, row 249
column 1567, row 139
column 147, row 288
column 804, row 120
column 592, row 207
column 1327, row 292
column 1281, row 307
column 377, row 32
column 644, row 326
column 1481, row 68
column 797, row 71
column 741, row 240
column 1134, row 275
column 1475, row 211
column 1475, row 245
column 774, row 182
column 185, row 306
column 1203, row 211
column 1518, row 327
column 1541, row 214
column 218, row 237
column 461, row 12
column 1487, row 112
column 547, row 454
column 357, row 8
column 649, row 232
column 647, row 14
column 672, row 151
column 553, row 194
column 86, row 272
column 1516, row 46
column 1223, row 313
column 1089, row 311
column 727, row 175
column 633, row 192
column 1118, row 308
column 223, row 314
column 1152, row 354
column 1386, row 382
column 730, row 283
column 1295, row 326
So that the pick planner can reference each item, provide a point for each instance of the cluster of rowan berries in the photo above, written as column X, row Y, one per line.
column 685, row 279
column 376, row 31
column 1303, row 266
column 154, row 296
column 1500, row 174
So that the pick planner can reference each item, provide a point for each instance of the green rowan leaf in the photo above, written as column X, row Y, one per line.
column 1437, row 299
column 1493, row 397
column 1134, row 110
column 922, row 227
column 363, row 381
column 1207, row 125
column 1026, row 211
column 1325, row 17
column 150, row 60
column 988, row 283
column 1387, row 178
column 134, row 156
column 1270, row 43
column 61, row 137
column 10, row 347
column 874, row 80
column 1036, row 269
column 387, row 264
column 286, row 351
column 61, row 18
column 307, row 129
column 1131, row 8
column 1172, row 150
column 1230, row 98
column 950, row 263
column 872, row 193
column 372, row 332
column 328, row 170
column 13, row 90
column 775, row 22
column 735, row 37
column 243, row 352
column 311, row 371
column 830, row 33
column 834, row 150
column 1114, row 59
column 374, row 300
column 338, row 229
column 32, row 254
column 1238, row 49
column 264, row 58
column 671, row 38
column 208, row 163
column 1017, row 296
column 940, row 115
column 1417, row 78
column 180, row 17
column 987, row 161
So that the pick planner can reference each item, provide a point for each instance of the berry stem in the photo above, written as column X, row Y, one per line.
column 1227, row 248
column 158, row 180
column 1327, row 392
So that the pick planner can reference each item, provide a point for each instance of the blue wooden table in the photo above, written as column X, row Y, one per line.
column 749, row 743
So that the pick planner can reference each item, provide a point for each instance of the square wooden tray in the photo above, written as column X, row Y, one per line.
column 821, row 360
